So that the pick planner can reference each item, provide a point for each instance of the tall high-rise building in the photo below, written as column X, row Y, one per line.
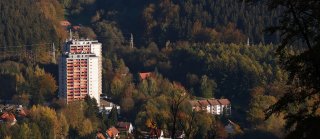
column 80, row 70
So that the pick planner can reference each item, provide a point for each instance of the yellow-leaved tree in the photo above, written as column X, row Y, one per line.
column 47, row 119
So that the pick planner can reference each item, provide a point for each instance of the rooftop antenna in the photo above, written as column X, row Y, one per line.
column 131, row 40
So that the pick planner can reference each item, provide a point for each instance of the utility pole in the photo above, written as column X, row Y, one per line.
column 53, row 54
column 70, row 35
column 131, row 40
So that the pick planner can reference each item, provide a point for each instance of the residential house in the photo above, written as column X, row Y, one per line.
column 125, row 127
column 8, row 118
column 21, row 112
column 215, row 106
column 106, row 106
column 232, row 128
column 112, row 133
column 144, row 75
column 229, row 128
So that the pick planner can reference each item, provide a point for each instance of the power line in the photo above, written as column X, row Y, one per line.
column 15, row 51
column 19, row 46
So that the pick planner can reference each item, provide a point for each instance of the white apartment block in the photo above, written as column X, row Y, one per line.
column 80, row 70
column 212, row 106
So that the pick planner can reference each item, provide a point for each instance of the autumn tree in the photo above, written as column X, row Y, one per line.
column 25, row 132
column 79, row 124
column 261, row 100
column 127, row 101
column 41, row 85
column 189, row 124
column 64, row 126
column 231, row 34
column 35, row 134
column 45, row 118
column 197, row 124
column 117, row 86
column 177, row 96
column 85, row 128
column 47, row 85
column 75, row 109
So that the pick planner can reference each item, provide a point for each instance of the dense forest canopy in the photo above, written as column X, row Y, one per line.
column 172, row 20
column 30, row 22
column 235, row 68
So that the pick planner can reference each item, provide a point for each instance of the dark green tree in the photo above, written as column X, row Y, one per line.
column 92, row 109
column 299, row 27
column 207, row 87
column 104, row 121
column 113, row 117
column 4, row 131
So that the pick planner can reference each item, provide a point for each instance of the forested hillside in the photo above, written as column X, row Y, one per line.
column 171, row 20
column 193, row 48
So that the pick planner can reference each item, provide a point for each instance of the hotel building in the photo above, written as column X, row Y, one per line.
column 80, row 70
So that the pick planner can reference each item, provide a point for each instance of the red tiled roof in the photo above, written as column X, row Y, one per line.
column 22, row 113
column 112, row 132
column 204, row 102
column 144, row 75
column 224, row 101
column 100, row 136
column 4, row 115
column 213, row 102
column 194, row 103
column 8, row 116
